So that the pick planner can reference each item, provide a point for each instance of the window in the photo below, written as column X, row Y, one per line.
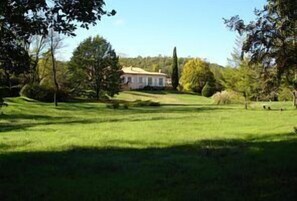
column 149, row 81
column 161, row 82
column 140, row 80
column 129, row 79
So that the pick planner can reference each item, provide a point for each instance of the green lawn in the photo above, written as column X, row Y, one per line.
column 187, row 149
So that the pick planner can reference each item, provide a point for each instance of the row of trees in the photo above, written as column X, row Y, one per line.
column 92, row 72
column 264, row 63
column 154, row 64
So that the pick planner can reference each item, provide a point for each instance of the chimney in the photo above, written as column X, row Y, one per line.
column 160, row 71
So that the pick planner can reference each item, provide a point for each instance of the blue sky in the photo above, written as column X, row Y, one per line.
column 153, row 27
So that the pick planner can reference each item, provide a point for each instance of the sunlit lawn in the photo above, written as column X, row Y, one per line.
column 187, row 149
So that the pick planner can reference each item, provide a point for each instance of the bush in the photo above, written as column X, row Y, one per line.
column 126, row 106
column 1, row 104
column 4, row 92
column 13, row 92
column 285, row 94
column 207, row 90
column 42, row 93
column 227, row 97
column 114, row 105
column 187, row 87
column 140, row 103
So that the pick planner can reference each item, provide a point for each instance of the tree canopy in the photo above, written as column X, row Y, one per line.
column 20, row 20
column 94, row 67
column 174, row 73
column 196, row 73
column 272, row 38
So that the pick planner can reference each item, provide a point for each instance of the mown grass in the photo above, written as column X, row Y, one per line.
column 187, row 149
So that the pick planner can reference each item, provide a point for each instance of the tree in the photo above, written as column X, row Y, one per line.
column 174, row 73
column 272, row 39
column 37, row 46
column 196, row 73
column 207, row 90
column 21, row 20
column 94, row 66
column 153, row 64
column 55, row 42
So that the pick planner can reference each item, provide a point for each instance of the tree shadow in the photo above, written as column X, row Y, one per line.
column 204, row 170
column 181, row 109
column 20, row 126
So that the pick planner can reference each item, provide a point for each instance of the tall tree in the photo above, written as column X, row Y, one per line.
column 55, row 42
column 37, row 46
column 20, row 20
column 196, row 73
column 272, row 38
column 94, row 66
column 174, row 73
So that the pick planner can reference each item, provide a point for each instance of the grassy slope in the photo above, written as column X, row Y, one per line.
column 188, row 149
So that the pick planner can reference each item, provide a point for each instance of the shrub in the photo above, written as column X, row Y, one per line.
column 42, row 93
column 187, row 87
column 4, row 92
column 13, row 92
column 126, row 106
column 2, row 104
column 227, row 97
column 113, row 105
column 285, row 94
column 207, row 90
column 140, row 103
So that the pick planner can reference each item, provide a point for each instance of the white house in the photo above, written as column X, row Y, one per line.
column 137, row 78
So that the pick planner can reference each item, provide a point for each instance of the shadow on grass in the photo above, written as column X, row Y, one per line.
column 19, row 122
column 20, row 126
column 206, row 170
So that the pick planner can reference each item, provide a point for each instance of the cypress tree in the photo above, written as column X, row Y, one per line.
column 174, row 74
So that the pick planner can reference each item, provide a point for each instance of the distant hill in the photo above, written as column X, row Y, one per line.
column 157, row 63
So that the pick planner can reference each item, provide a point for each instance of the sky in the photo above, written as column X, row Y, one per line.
column 155, row 27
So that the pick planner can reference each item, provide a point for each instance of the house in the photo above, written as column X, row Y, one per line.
column 137, row 78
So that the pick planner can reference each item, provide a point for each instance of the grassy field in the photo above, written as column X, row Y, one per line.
column 186, row 149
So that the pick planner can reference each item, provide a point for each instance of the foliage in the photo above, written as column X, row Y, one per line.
column 2, row 104
column 218, row 72
column 174, row 73
column 196, row 73
column 244, row 79
column 144, row 103
column 94, row 66
column 22, row 20
column 114, row 105
column 10, row 92
column 207, row 90
column 227, row 97
column 154, row 64
column 271, row 39
column 42, row 93
column 285, row 94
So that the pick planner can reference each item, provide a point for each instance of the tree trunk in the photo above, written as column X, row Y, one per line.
column 295, row 99
column 245, row 101
column 55, row 77
column 97, row 93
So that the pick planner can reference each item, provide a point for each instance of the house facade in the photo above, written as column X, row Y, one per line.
column 137, row 78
